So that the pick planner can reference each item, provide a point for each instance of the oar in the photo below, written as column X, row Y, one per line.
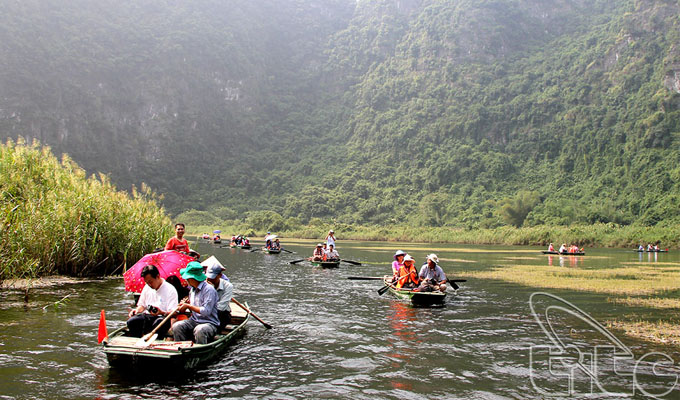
column 297, row 261
column 351, row 262
column 266, row 325
column 385, row 288
column 257, row 249
column 288, row 251
column 365, row 278
column 453, row 282
column 147, row 339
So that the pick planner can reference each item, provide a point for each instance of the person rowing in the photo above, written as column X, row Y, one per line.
column 432, row 276
column 331, row 254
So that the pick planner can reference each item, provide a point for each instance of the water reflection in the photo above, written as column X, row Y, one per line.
column 570, row 261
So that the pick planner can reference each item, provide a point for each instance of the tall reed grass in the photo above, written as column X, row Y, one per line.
column 56, row 220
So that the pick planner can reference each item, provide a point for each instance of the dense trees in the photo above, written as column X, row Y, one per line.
column 473, row 114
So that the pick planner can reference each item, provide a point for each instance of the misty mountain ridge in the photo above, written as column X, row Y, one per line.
column 421, row 112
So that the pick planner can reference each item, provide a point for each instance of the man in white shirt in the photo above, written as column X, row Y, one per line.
column 225, row 291
column 158, row 298
column 332, row 254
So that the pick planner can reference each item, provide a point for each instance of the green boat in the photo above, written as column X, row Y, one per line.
column 271, row 251
column 418, row 299
column 326, row 264
column 123, row 352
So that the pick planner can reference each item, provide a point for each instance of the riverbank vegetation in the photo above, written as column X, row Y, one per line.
column 54, row 219
column 596, row 235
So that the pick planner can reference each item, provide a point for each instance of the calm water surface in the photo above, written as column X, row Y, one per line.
column 338, row 338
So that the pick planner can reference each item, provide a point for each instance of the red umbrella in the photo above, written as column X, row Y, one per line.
column 169, row 262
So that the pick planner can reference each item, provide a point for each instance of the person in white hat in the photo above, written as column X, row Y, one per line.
column 397, row 264
column 318, row 253
column 330, row 238
column 408, row 276
column 432, row 276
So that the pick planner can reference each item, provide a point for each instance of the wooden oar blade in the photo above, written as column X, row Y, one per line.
column 351, row 262
column 297, row 261
column 383, row 289
column 146, row 340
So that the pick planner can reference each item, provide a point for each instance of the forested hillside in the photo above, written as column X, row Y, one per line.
column 471, row 113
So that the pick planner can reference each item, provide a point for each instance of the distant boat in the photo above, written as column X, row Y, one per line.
column 652, row 251
column 578, row 253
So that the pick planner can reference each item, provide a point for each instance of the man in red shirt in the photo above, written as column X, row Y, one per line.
column 177, row 242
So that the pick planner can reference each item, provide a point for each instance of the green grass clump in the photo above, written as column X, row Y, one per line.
column 56, row 220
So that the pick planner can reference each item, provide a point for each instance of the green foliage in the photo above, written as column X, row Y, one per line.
column 434, row 113
column 515, row 210
column 56, row 220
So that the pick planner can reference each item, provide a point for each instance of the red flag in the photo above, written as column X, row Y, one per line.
column 103, row 334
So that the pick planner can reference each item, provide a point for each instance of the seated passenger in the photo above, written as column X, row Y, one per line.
column 276, row 245
column 224, row 292
column 432, row 276
column 563, row 249
column 202, row 326
column 397, row 264
column 318, row 253
column 331, row 254
column 158, row 298
column 408, row 276
column 551, row 248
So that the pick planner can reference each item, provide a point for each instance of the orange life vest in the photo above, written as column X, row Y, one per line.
column 410, row 273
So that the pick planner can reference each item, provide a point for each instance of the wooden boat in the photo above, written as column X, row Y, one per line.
column 326, row 264
column 218, row 241
column 271, row 251
column 578, row 253
column 170, row 356
column 653, row 251
column 418, row 299
column 243, row 246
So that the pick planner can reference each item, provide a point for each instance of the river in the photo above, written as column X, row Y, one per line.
column 338, row 338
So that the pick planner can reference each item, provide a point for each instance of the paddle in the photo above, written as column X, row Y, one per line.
column 253, row 250
column 266, row 325
column 297, row 261
column 365, row 278
column 147, row 339
column 385, row 288
column 351, row 262
column 288, row 251
column 453, row 282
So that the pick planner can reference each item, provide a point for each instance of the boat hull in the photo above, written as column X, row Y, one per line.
column 326, row 264
column 417, row 299
column 169, row 357
column 271, row 251
column 579, row 253
column 244, row 246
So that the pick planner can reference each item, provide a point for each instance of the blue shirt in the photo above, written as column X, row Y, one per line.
column 205, row 298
